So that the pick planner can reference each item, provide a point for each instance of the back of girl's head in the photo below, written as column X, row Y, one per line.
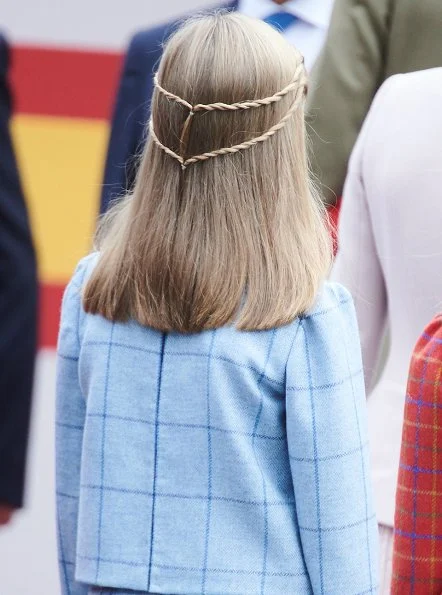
column 222, row 225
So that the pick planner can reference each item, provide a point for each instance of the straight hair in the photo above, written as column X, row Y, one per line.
column 236, row 238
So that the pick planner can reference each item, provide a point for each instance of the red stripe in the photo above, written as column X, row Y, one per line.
column 50, row 306
column 60, row 82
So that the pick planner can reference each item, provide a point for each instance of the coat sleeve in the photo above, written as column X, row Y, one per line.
column 18, row 310
column 357, row 264
column 344, row 81
column 328, row 448
column 132, row 107
column 70, row 418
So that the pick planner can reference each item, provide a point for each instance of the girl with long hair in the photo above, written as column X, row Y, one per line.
column 211, row 431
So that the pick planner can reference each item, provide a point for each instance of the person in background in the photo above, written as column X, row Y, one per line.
column 211, row 413
column 367, row 42
column 389, row 257
column 18, row 313
column 303, row 23
column 417, row 560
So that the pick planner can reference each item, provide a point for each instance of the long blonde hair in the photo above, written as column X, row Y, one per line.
column 235, row 235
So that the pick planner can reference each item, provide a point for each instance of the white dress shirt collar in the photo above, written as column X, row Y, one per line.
column 314, row 12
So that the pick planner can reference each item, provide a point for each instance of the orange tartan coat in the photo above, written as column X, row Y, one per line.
column 417, row 559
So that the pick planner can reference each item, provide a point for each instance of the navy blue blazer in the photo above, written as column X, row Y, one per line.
column 18, row 309
column 132, row 108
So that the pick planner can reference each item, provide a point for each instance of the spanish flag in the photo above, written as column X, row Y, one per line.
column 62, row 104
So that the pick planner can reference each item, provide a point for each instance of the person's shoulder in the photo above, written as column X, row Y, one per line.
column 84, row 268
column 384, row 100
column 434, row 328
column 332, row 319
column 419, row 83
column 147, row 44
column 406, row 91
column 326, row 351
column 332, row 298
column 146, row 47
column 426, row 366
column 429, row 344
column 71, row 317
column 148, row 40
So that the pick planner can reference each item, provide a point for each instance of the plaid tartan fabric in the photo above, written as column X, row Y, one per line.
column 417, row 561
column 221, row 462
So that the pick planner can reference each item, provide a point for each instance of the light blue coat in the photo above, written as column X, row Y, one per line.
column 223, row 462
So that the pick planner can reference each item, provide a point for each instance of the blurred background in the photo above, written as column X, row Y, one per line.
column 66, row 61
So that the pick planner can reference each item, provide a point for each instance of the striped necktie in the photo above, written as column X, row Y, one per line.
column 281, row 20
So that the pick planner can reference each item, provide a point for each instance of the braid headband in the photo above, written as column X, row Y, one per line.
column 299, row 83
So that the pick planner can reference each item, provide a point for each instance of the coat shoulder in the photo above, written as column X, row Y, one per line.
column 146, row 46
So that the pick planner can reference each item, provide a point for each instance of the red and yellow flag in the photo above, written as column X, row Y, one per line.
column 62, row 103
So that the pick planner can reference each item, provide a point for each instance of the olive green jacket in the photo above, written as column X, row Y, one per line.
column 368, row 41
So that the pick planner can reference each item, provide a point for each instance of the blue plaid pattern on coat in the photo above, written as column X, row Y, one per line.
column 222, row 462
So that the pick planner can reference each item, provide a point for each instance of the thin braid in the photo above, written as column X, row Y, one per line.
column 165, row 149
column 239, row 105
column 300, row 84
column 250, row 143
column 170, row 95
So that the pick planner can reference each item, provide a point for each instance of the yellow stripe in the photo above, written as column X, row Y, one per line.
column 61, row 163
column 426, row 358
column 436, row 493
column 419, row 425
column 424, row 515
column 410, row 556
